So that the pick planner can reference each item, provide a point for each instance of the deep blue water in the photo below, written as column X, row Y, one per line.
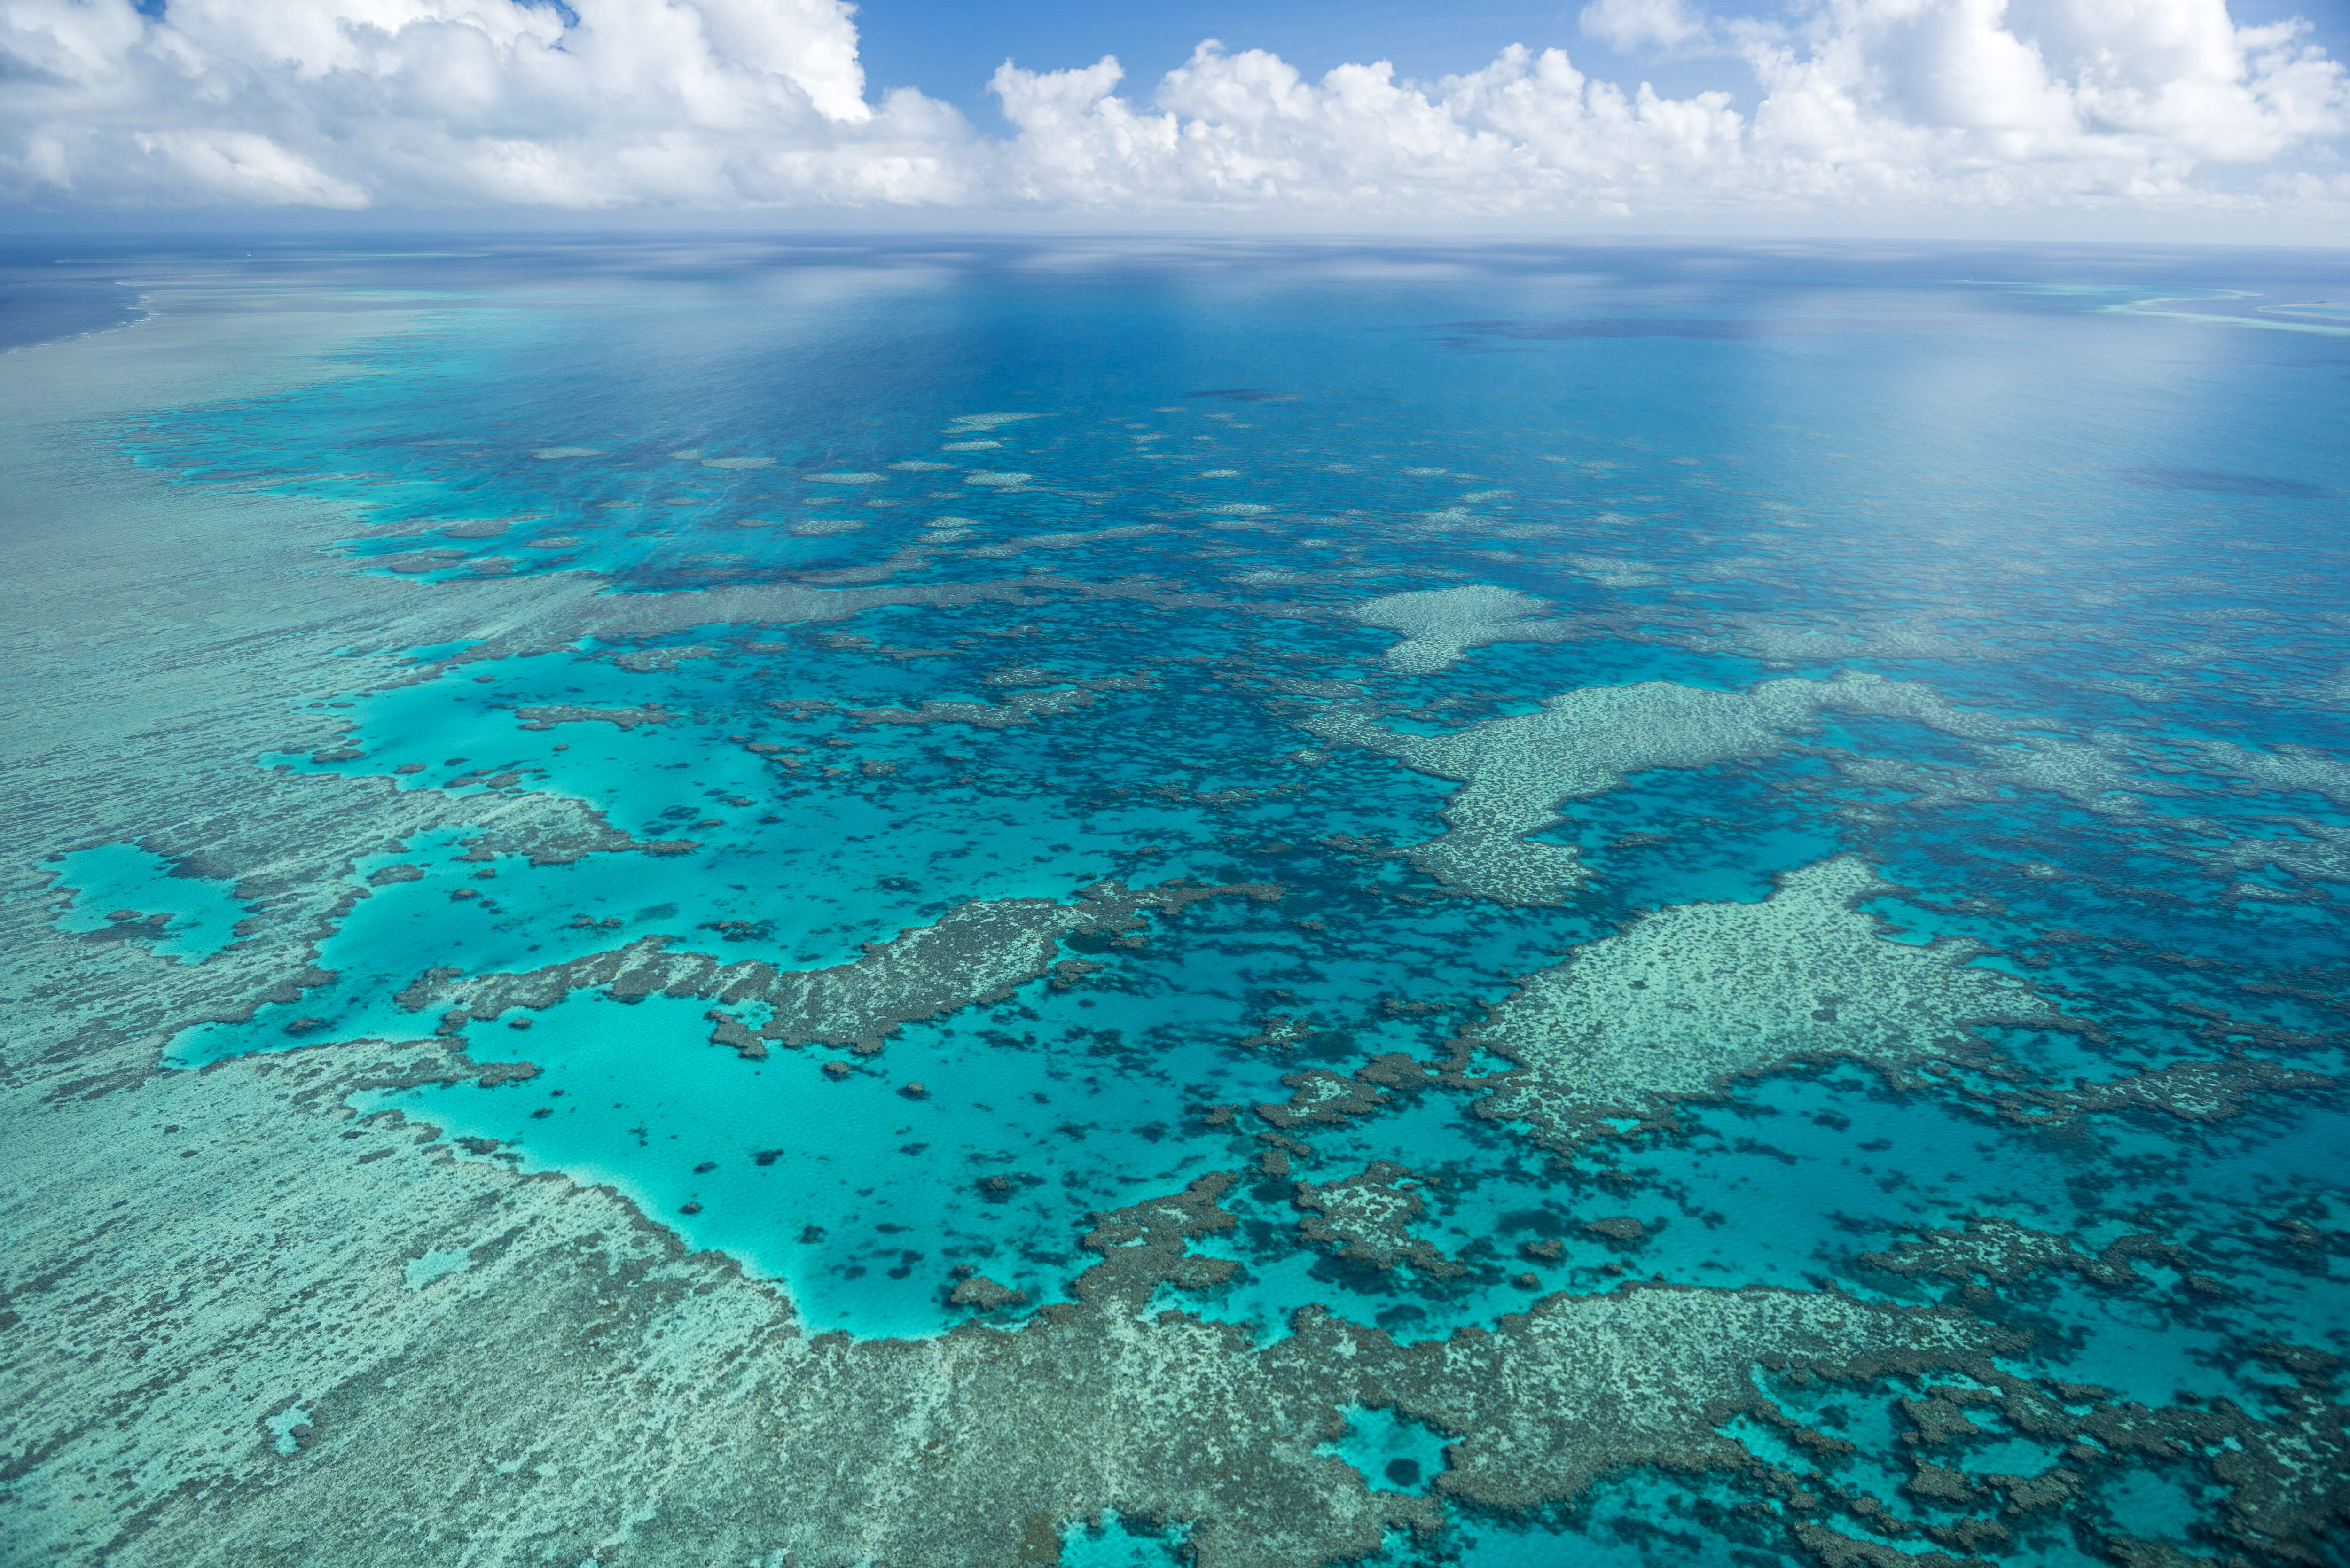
column 46, row 294
column 2093, row 498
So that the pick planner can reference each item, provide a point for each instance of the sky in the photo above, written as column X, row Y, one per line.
column 2180, row 120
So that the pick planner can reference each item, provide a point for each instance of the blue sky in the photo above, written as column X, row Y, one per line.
column 2217, row 119
column 950, row 49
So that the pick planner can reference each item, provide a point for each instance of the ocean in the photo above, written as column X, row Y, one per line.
column 1527, row 904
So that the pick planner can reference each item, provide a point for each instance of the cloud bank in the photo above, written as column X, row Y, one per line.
column 2163, row 106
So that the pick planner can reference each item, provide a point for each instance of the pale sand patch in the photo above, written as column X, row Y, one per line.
column 970, row 445
column 738, row 462
column 1000, row 479
column 987, row 422
column 546, row 452
column 815, row 526
column 862, row 477
column 922, row 467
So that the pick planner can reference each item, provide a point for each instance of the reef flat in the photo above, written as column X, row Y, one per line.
column 1585, row 742
column 700, row 942
column 755, row 1436
column 1689, row 999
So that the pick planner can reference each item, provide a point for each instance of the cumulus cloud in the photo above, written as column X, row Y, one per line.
column 456, row 103
column 1636, row 26
column 714, row 104
column 1529, row 132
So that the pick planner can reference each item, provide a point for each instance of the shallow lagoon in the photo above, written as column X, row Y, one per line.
column 778, row 637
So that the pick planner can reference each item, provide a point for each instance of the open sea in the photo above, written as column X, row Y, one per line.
column 1529, row 906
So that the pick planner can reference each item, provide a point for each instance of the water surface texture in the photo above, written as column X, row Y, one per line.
column 919, row 904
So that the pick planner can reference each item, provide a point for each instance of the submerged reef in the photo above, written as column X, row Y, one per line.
column 1585, row 742
column 963, row 1449
column 1370, row 1216
column 979, row 952
column 1354, row 928
column 1441, row 625
column 1687, row 1001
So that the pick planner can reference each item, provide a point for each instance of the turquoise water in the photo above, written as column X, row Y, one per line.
column 1117, row 1543
column 1393, row 1454
column 780, row 501
column 135, row 894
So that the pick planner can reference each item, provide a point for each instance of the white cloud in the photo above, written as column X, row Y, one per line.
column 1527, row 133
column 1635, row 26
column 1990, row 105
column 458, row 103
